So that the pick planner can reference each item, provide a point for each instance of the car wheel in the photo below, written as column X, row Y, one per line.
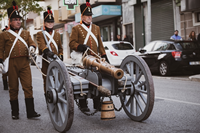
column 164, row 68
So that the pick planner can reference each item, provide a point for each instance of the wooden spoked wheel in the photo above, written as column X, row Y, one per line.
column 138, row 101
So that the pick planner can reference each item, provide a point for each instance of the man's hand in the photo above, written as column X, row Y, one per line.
column 82, row 47
column 31, row 49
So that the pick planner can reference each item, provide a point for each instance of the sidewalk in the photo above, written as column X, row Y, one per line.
column 195, row 78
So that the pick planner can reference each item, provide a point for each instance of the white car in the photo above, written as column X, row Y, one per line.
column 116, row 51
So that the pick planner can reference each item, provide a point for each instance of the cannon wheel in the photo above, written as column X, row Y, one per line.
column 59, row 96
column 138, row 102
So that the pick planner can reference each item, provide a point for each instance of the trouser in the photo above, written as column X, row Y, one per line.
column 44, row 70
column 19, row 68
column 5, row 82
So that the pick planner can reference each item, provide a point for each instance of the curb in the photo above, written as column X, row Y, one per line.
column 195, row 78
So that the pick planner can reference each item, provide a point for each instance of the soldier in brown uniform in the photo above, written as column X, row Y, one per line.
column 80, row 42
column 18, row 62
column 55, row 44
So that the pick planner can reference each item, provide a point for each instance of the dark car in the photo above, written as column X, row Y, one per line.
column 170, row 56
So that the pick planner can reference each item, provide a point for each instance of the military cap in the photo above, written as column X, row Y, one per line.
column 13, row 11
column 48, row 15
column 86, row 8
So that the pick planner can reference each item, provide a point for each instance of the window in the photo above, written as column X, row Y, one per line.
column 149, row 47
column 123, row 46
column 187, row 45
column 171, row 46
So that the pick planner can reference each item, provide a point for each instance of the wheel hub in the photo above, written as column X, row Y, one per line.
column 52, row 96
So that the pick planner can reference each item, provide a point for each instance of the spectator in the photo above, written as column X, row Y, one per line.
column 118, row 38
column 125, row 38
column 192, row 36
column 176, row 36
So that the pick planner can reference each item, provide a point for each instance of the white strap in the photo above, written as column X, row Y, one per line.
column 51, row 39
column 89, row 33
column 17, row 37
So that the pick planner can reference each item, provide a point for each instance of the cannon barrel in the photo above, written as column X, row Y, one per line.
column 103, row 66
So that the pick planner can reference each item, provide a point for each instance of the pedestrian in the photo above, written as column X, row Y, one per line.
column 192, row 36
column 79, row 42
column 118, row 38
column 5, row 75
column 55, row 44
column 125, row 38
column 176, row 36
column 17, row 44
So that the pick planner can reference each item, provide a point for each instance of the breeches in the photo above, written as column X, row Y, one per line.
column 44, row 70
column 19, row 69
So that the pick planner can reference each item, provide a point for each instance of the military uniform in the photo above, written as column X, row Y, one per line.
column 42, row 46
column 78, row 43
column 48, row 17
column 18, row 65
column 18, row 55
column 79, row 34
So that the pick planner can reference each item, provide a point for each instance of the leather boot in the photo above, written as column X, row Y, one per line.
column 15, row 109
column 83, row 105
column 30, row 108
column 5, row 84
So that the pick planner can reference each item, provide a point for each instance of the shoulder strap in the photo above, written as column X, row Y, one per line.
column 89, row 32
column 51, row 39
column 17, row 37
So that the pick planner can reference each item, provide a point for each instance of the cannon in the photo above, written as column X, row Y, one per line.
column 132, row 82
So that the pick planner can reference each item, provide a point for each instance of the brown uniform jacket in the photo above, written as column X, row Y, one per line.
column 79, row 34
column 19, row 50
column 42, row 44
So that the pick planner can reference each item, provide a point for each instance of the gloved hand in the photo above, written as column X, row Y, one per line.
column 82, row 47
column 49, row 54
column 32, row 49
column 104, row 56
column 61, row 57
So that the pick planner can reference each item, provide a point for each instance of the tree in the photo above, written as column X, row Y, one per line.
column 24, row 7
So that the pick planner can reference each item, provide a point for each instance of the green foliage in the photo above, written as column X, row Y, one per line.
column 24, row 7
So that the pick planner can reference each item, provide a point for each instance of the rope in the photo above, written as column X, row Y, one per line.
column 37, row 66
column 124, row 85
column 82, row 93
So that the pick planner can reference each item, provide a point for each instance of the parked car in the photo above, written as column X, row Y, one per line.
column 116, row 51
column 170, row 56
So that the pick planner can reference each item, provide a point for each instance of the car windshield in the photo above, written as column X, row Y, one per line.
column 122, row 46
column 187, row 45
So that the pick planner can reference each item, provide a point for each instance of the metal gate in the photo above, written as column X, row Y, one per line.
column 162, row 19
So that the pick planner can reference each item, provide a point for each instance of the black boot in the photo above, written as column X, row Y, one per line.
column 15, row 109
column 83, row 105
column 5, row 84
column 30, row 108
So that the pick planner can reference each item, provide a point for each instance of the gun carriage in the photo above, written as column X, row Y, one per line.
column 132, row 82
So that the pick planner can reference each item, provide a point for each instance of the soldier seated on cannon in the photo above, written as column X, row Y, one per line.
column 87, row 35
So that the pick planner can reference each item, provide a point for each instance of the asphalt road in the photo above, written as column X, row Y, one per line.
column 176, row 109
